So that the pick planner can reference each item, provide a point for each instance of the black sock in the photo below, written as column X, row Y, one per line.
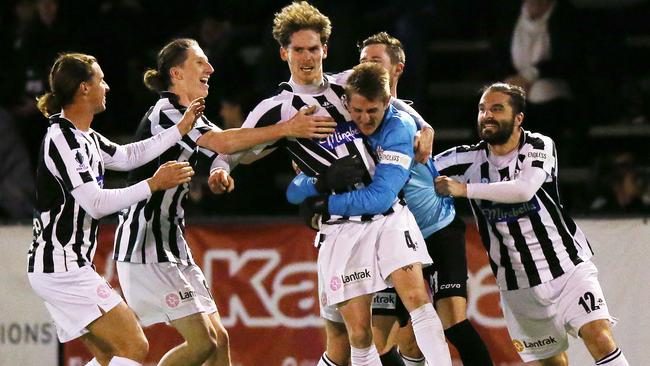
column 469, row 344
column 391, row 358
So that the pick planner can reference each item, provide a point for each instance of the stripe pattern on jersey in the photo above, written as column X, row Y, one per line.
column 314, row 156
column 151, row 231
column 528, row 243
column 65, row 235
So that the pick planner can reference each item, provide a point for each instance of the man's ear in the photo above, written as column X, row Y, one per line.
column 284, row 54
column 83, row 88
column 519, row 119
column 175, row 73
column 325, row 51
column 399, row 69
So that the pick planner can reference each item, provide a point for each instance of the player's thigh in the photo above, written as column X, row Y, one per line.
column 195, row 328
column 409, row 283
column 118, row 329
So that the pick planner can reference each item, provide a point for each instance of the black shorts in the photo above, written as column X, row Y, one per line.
column 448, row 274
column 386, row 302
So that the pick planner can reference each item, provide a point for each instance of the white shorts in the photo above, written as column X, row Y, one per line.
column 74, row 299
column 162, row 292
column 357, row 258
column 539, row 318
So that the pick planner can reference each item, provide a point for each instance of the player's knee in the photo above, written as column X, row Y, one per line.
column 360, row 335
column 414, row 297
column 598, row 337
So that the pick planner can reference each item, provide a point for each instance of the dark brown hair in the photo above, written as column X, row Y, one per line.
column 173, row 54
column 517, row 95
column 394, row 47
column 67, row 73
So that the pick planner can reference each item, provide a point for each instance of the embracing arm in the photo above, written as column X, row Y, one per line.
column 521, row 189
column 133, row 155
column 301, row 125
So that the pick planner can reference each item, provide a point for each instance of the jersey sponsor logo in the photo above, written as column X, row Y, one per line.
column 393, row 157
column 81, row 162
column 521, row 345
column 356, row 276
column 384, row 301
column 508, row 212
column 344, row 133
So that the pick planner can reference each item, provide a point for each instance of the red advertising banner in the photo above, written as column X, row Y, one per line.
column 263, row 278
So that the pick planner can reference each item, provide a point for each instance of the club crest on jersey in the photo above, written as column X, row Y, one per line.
column 508, row 212
column 344, row 133
column 80, row 161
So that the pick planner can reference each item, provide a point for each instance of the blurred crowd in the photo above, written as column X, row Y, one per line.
column 584, row 65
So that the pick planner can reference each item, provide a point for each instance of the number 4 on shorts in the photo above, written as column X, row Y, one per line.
column 409, row 242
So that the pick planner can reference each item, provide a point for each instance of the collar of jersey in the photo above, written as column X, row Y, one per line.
column 294, row 87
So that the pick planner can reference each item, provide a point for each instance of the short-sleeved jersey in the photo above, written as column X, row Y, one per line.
column 528, row 242
column 151, row 231
column 65, row 235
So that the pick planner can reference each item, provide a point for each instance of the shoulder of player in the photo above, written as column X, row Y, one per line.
column 536, row 141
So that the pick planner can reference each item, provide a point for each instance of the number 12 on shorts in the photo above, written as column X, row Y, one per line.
column 588, row 302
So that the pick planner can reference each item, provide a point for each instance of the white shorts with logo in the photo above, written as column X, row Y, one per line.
column 357, row 258
column 539, row 318
column 162, row 292
column 74, row 299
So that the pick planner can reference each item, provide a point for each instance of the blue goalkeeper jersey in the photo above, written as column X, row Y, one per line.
column 431, row 210
column 392, row 144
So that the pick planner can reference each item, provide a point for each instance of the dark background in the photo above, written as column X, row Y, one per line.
column 453, row 47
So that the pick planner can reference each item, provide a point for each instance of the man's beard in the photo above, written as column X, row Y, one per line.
column 501, row 135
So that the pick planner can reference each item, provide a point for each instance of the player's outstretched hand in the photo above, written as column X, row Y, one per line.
column 423, row 145
column 169, row 175
column 446, row 186
column 220, row 181
column 305, row 125
column 192, row 113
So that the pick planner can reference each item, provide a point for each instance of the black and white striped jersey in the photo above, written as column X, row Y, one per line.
column 531, row 242
column 151, row 231
column 312, row 156
column 65, row 235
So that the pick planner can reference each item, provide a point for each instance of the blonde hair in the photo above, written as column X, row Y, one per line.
column 370, row 80
column 298, row 16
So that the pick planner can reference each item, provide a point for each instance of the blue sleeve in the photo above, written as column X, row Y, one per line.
column 391, row 174
column 400, row 105
column 300, row 188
